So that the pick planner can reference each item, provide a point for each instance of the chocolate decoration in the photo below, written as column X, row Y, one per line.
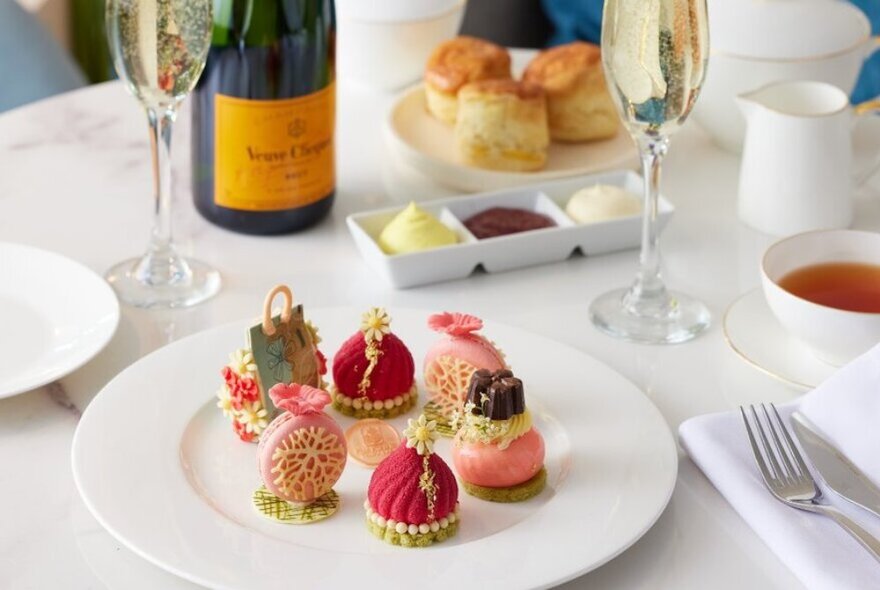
column 498, row 395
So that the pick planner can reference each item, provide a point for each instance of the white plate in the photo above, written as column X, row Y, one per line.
column 754, row 333
column 55, row 314
column 428, row 145
column 159, row 467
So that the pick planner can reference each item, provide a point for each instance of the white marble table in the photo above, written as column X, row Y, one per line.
column 75, row 178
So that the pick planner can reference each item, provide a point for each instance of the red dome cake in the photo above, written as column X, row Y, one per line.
column 413, row 497
column 374, row 372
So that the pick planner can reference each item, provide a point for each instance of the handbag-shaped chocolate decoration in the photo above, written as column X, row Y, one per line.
column 284, row 348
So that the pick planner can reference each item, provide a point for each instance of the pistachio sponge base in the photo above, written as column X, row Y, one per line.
column 380, row 413
column 518, row 493
column 407, row 540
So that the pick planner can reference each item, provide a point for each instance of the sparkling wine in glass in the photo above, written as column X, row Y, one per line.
column 159, row 49
column 654, row 54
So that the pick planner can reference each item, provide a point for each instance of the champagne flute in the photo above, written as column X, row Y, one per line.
column 159, row 49
column 655, row 54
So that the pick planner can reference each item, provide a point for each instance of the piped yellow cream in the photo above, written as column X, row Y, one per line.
column 413, row 230
column 516, row 426
column 496, row 432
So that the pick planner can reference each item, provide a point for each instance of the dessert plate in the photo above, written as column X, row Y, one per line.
column 159, row 467
column 56, row 315
column 428, row 145
column 754, row 333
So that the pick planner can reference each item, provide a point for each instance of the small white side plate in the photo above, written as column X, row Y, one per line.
column 159, row 467
column 55, row 314
column 754, row 333
column 428, row 145
column 519, row 250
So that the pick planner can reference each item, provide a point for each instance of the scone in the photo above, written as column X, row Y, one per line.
column 579, row 107
column 502, row 125
column 455, row 63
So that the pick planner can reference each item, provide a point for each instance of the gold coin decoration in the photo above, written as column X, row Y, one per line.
column 371, row 440
column 274, row 508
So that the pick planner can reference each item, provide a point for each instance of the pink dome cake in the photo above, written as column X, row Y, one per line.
column 498, row 453
column 412, row 499
column 302, row 453
column 453, row 359
column 374, row 372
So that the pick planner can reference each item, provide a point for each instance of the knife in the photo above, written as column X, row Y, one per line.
column 839, row 473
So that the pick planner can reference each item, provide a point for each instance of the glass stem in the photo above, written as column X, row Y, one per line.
column 161, row 265
column 648, row 295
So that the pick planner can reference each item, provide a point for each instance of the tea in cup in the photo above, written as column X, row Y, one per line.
column 824, row 288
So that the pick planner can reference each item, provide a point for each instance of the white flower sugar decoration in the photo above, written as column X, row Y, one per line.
column 254, row 417
column 224, row 402
column 242, row 362
column 420, row 435
column 375, row 324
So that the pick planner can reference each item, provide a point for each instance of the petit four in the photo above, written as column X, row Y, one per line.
column 301, row 455
column 502, row 221
column 452, row 360
column 414, row 230
column 281, row 349
column 412, row 499
column 579, row 107
column 497, row 452
column 502, row 125
column 455, row 63
column 374, row 372
column 601, row 203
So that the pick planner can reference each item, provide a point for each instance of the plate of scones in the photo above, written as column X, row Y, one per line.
column 486, row 117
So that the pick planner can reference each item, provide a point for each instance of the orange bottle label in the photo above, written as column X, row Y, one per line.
column 274, row 154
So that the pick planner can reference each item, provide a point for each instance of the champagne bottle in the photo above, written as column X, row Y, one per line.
column 264, row 115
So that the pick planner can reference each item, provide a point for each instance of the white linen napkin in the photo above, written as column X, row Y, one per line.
column 822, row 555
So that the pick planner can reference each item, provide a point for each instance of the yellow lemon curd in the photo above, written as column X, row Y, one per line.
column 413, row 230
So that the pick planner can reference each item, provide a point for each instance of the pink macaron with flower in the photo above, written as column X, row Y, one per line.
column 302, row 453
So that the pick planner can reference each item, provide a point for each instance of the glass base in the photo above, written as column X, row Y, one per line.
column 183, row 283
column 678, row 318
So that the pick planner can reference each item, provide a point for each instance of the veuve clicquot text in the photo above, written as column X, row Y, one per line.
column 264, row 116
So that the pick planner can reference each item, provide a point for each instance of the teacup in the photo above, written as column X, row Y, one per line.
column 835, row 336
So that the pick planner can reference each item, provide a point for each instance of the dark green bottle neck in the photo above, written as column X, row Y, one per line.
column 260, row 23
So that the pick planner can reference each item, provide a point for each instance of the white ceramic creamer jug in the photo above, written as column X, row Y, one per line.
column 796, row 172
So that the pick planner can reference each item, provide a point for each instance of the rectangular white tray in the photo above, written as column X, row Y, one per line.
column 502, row 253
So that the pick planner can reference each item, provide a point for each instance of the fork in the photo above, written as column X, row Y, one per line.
column 787, row 476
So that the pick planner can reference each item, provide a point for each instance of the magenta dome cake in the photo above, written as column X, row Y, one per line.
column 412, row 500
column 374, row 372
column 301, row 454
column 453, row 359
column 497, row 452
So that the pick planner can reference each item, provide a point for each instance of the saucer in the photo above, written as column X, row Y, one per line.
column 757, row 337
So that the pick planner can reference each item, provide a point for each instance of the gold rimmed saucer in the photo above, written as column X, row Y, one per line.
column 756, row 336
